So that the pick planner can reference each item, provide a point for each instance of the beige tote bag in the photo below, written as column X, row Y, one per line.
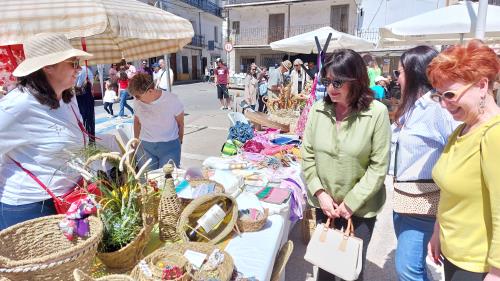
column 336, row 251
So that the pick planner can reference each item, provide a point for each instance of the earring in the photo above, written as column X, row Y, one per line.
column 482, row 105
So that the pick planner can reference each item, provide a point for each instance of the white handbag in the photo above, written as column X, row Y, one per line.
column 336, row 251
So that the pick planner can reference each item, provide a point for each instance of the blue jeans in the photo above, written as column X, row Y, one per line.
column 123, row 103
column 162, row 152
column 11, row 214
column 413, row 234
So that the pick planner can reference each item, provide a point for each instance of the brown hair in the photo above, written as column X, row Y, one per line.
column 140, row 83
column 347, row 64
column 38, row 85
column 465, row 64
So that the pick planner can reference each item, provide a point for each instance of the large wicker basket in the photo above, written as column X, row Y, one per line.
column 81, row 276
column 222, row 273
column 37, row 250
column 127, row 257
column 201, row 205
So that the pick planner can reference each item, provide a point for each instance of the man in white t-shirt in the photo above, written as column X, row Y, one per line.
column 158, row 121
column 162, row 82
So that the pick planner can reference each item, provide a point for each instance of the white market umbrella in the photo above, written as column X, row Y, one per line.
column 444, row 26
column 306, row 44
column 112, row 29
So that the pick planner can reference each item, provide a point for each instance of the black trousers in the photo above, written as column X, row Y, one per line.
column 363, row 228
column 455, row 273
column 108, row 106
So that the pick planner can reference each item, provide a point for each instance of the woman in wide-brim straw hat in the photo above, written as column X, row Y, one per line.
column 39, row 129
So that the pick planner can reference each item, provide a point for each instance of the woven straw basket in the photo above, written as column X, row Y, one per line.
column 37, row 250
column 172, row 258
column 308, row 224
column 199, row 206
column 127, row 257
column 81, row 276
column 222, row 273
column 248, row 225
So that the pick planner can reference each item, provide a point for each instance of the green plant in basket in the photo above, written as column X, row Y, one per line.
column 122, row 197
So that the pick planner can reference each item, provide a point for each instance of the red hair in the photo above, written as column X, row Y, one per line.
column 466, row 64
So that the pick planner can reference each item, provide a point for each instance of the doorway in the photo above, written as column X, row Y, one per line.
column 194, row 67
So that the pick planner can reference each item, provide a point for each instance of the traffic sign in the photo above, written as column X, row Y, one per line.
column 228, row 47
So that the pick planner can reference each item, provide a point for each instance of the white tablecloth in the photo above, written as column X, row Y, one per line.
column 254, row 253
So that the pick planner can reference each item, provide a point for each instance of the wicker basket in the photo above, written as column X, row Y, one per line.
column 127, row 257
column 198, row 207
column 308, row 224
column 222, row 273
column 173, row 258
column 37, row 250
column 81, row 276
column 249, row 225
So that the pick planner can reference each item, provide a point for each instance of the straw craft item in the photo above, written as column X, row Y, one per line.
column 223, row 272
column 170, row 258
column 37, row 250
column 127, row 257
column 249, row 225
column 308, row 224
column 169, row 208
column 198, row 207
column 81, row 276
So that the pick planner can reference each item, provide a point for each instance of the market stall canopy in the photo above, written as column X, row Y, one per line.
column 306, row 44
column 444, row 26
column 112, row 29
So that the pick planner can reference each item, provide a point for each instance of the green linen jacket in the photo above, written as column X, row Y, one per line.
column 350, row 163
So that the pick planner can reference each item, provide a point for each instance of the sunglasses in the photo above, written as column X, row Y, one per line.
column 76, row 63
column 396, row 73
column 451, row 95
column 336, row 83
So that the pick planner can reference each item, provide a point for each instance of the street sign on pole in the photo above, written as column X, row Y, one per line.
column 228, row 47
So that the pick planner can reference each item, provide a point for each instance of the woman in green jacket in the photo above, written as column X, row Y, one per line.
column 345, row 149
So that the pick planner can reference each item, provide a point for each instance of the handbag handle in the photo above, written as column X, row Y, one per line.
column 348, row 231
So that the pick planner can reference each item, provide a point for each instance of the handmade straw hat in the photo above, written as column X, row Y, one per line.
column 287, row 64
column 46, row 49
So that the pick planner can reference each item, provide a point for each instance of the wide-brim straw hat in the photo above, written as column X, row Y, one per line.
column 46, row 49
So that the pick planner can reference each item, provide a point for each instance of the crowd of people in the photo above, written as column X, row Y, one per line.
column 441, row 151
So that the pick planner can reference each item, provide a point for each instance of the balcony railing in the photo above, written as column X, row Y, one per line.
column 371, row 34
column 206, row 6
column 236, row 2
column 198, row 40
column 264, row 36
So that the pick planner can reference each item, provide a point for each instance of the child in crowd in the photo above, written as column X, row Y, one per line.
column 109, row 98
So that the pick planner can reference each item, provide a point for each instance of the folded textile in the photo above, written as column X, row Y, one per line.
column 241, row 132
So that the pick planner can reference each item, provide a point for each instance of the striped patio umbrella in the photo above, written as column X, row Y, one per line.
column 108, row 29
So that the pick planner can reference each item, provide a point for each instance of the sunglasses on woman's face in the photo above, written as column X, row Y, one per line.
column 76, row 63
column 336, row 83
column 452, row 94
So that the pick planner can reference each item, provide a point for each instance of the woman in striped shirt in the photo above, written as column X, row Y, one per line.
column 419, row 135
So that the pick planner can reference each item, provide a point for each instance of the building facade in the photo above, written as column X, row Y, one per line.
column 207, row 43
column 253, row 24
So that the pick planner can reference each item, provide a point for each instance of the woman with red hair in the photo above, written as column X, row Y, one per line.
column 467, row 231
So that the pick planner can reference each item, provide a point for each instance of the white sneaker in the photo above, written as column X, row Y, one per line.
column 229, row 108
column 110, row 116
column 222, row 108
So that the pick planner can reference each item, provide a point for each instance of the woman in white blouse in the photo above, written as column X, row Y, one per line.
column 39, row 129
